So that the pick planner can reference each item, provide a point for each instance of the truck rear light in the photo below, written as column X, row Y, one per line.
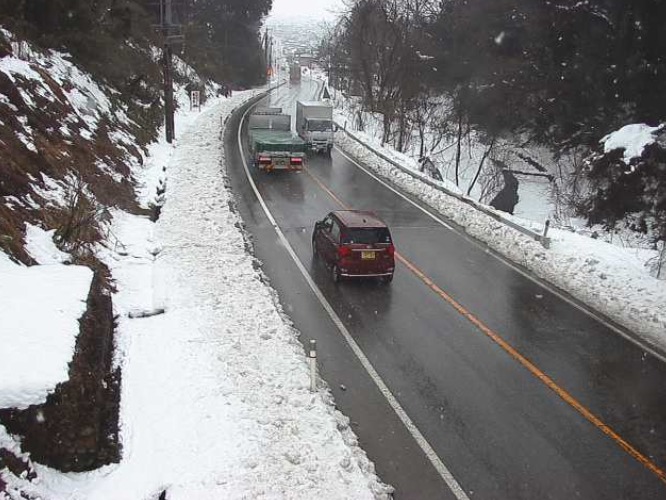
column 344, row 251
column 391, row 250
column 297, row 161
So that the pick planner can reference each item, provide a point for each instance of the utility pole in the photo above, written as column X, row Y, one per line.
column 169, row 125
column 171, row 35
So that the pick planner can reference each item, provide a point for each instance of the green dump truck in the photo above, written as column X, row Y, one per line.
column 273, row 145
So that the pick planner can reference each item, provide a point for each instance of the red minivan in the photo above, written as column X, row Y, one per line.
column 354, row 244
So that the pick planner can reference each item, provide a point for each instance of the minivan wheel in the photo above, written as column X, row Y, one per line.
column 387, row 279
column 335, row 274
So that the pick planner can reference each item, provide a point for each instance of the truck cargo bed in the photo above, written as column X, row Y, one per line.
column 276, row 140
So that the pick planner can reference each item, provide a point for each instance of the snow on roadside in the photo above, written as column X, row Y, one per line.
column 535, row 201
column 59, row 293
column 215, row 397
column 40, row 246
column 398, row 157
column 609, row 279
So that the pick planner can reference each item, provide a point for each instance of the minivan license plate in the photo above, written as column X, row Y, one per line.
column 367, row 255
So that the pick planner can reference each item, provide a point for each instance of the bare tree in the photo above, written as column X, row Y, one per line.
column 569, row 185
column 376, row 46
column 459, row 139
column 485, row 155
column 79, row 219
column 491, row 183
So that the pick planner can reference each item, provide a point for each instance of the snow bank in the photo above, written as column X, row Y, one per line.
column 215, row 397
column 39, row 244
column 37, row 347
column 403, row 159
column 534, row 191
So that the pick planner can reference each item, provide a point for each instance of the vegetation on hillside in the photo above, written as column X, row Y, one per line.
column 81, row 96
column 221, row 36
column 556, row 74
column 117, row 42
column 221, row 39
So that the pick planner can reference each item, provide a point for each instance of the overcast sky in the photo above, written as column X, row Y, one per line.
column 297, row 8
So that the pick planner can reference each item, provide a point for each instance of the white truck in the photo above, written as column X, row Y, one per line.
column 314, row 124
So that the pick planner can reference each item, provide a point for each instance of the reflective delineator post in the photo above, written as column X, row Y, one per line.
column 312, row 359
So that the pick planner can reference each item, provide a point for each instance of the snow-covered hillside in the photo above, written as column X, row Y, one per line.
column 215, row 393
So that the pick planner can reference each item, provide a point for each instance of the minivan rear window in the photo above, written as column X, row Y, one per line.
column 366, row 236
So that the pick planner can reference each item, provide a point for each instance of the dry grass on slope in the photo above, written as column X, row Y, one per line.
column 51, row 149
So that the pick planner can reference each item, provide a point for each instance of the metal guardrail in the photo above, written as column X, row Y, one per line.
column 540, row 237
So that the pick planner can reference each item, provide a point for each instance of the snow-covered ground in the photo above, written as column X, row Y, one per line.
column 215, row 397
column 41, row 306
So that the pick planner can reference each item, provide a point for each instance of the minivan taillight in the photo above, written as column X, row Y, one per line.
column 390, row 250
column 344, row 251
column 264, row 160
column 297, row 161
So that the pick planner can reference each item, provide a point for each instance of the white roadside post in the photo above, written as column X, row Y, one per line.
column 312, row 359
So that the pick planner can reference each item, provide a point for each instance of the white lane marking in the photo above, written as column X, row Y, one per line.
column 437, row 463
column 640, row 344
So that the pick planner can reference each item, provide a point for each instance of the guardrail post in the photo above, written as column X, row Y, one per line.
column 312, row 359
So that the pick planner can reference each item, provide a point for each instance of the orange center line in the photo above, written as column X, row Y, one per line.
column 508, row 348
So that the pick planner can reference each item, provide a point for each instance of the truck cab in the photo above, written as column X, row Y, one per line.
column 314, row 124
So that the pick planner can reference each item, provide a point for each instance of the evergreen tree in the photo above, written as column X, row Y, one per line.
column 222, row 38
column 632, row 192
column 560, row 74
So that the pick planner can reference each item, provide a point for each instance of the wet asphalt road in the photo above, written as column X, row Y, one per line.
column 501, row 431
